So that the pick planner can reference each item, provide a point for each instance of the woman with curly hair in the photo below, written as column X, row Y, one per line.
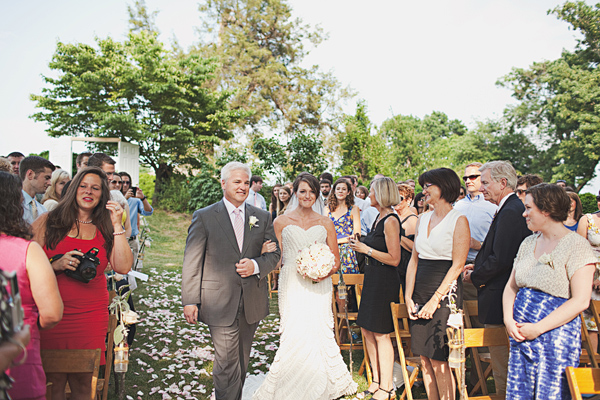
column 346, row 219
column 59, row 179
column 85, row 221
column 37, row 285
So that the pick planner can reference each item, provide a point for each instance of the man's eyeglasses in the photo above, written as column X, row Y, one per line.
column 116, row 182
column 471, row 177
column 126, row 182
column 520, row 192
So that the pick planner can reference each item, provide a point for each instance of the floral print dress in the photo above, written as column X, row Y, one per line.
column 593, row 236
column 344, row 226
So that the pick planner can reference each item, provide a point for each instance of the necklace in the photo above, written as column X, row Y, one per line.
column 83, row 222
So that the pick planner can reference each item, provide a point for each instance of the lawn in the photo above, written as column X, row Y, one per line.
column 171, row 359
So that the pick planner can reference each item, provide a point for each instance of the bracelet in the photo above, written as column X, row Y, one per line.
column 440, row 293
column 23, row 348
column 118, row 233
column 145, row 197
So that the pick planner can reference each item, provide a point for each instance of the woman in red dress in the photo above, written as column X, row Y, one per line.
column 85, row 219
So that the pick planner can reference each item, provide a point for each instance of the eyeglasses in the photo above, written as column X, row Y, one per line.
column 401, row 199
column 427, row 186
column 520, row 192
column 471, row 177
column 126, row 182
column 116, row 182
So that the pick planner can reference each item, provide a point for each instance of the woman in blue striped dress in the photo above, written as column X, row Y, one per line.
column 548, row 288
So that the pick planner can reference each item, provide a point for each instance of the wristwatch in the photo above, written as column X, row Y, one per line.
column 369, row 252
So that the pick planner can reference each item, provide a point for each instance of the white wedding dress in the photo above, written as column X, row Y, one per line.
column 308, row 364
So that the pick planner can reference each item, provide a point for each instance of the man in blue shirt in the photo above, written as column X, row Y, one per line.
column 35, row 172
column 138, row 204
column 254, row 198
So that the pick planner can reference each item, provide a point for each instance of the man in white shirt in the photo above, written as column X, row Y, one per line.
column 254, row 198
column 35, row 172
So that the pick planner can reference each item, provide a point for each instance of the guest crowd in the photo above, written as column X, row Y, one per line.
column 520, row 247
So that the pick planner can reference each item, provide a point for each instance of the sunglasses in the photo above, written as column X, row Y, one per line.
column 116, row 182
column 427, row 186
column 471, row 177
column 519, row 192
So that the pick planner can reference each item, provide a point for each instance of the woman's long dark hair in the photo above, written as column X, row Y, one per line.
column 62, row 219
column 332, row 201
column 11, row 207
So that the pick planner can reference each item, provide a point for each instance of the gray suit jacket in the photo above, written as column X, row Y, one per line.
column 209, row 278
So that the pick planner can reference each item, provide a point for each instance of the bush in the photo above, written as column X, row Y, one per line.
column 147, row 185
column 175, row 195
column 589, row 203
column 204, row 190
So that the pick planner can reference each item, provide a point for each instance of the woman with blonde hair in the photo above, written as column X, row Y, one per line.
column 381, row 286
column 59, row 179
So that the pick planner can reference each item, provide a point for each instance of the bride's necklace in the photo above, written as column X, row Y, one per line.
column 83, row 222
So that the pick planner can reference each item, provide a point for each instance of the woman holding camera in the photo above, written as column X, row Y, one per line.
column 381, row 286
column 40, row 298
column 442, row 239
column 82, row 231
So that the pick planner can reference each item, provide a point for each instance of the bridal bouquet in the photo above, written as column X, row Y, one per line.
column 315, row 261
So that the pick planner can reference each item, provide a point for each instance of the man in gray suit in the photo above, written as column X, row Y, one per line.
column 224, row 282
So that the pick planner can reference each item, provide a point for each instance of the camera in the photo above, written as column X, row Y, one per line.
column 134, row 189
column 87, row 268
column 11, row 311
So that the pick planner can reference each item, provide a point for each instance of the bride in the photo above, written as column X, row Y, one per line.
column 308, row 364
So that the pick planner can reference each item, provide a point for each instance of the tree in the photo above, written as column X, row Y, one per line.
column 140, row 92
column 560, row 100
column 260, row 49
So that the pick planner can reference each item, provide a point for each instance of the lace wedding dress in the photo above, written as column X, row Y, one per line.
column 308, row 364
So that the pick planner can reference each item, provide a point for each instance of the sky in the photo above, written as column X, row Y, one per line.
column 401, row 57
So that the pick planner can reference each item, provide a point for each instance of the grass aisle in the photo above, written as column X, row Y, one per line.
column 171, row 359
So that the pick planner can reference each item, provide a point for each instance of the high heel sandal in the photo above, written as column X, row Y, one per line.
column 368, row 392
column 391, row 394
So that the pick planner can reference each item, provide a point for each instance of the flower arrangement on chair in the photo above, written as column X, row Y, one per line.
column 126, row 317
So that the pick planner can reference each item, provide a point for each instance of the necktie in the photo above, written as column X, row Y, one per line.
column 238, row 227
column 34, row 210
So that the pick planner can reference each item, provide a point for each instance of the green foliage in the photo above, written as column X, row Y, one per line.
column 302, row 153
column 44, row 154
column 141, row 92
column 260, row 49
column 175, row 194
column 589, row 203
column 204, row 189
column 561, row 99
column 147, row 185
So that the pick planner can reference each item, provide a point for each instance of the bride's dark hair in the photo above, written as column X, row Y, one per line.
column 310, row 180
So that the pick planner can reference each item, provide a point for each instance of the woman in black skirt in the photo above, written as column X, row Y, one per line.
column 442, row 241
column 381, row 286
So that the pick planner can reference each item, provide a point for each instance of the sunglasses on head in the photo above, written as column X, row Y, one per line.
column 471, row 177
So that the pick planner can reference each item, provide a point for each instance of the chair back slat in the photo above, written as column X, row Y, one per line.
column 485, row 337
column 71, row 362
column 583, row 380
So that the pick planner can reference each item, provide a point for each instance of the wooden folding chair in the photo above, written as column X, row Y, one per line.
column 583, row 381
column 271, row 279
column 339, row 319
column 585, row 338
column 486, row 337
column 399, row 314
column 471, row 309
column 102, row 388
column 71, row 362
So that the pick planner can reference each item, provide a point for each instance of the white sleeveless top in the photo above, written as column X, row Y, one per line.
column 438, row 246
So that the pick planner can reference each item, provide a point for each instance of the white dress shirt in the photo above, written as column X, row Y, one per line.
column 230, row 210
